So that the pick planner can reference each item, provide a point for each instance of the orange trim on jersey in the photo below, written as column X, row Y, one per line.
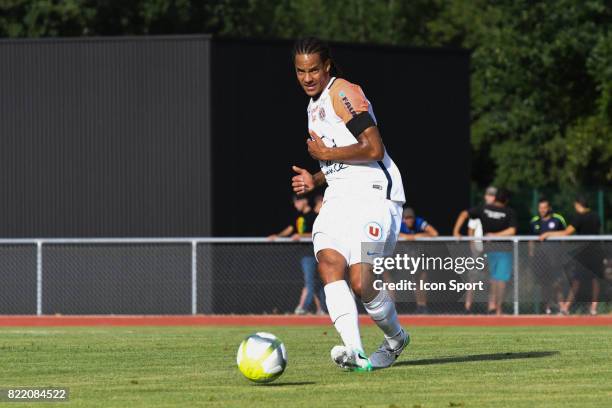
column 347, row 99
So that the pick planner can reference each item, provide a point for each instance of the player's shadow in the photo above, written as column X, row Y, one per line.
column 289, row 384
column 478, row 357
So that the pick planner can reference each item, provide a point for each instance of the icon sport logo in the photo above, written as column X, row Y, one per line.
column 373, row 231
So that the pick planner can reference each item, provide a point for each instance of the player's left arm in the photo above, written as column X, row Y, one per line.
column 351, row 105
column 297, row 236
column 567, row 231
column 429, row 231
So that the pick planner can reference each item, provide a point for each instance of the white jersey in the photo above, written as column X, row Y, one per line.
column 327, row 117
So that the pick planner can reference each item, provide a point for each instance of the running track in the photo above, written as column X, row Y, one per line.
column 290, row 320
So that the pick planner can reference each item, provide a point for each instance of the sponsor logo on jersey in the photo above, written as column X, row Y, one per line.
column 329, row 167
column 373, row 231
column 322, row 113
column 496, row 215
column 347, row 103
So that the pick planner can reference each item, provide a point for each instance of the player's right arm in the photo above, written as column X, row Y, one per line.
column 567, row 231
column 463, row 216
column 304, row 182
column 284, row 233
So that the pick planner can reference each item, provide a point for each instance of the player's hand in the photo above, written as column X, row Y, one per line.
column 544, row 236
column 272, row 237
column 303, row 182
column 296, row 237
column 456, row 234
column 316, row 147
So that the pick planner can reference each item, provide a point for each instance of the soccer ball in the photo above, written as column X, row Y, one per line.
column 262, row 357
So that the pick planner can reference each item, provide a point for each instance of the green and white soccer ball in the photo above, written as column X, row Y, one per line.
column 262, row 357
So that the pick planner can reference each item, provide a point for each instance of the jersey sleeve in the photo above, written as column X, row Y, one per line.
column 421, row 224
column 562, row 223
column 348, row 99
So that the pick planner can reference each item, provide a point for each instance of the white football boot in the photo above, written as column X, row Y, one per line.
column 349, row 359
column 385, row 356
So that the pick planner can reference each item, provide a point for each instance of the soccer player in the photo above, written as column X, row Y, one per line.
column 362, row 204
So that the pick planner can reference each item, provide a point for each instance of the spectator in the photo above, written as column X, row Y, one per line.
column 548, row 269
column 489, row 198
column 589, row 260
column 476, row 247
column 304, row 220
column 413, row 227
column 497, row 220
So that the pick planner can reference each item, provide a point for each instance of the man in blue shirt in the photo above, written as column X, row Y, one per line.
column 546, row 265
column 414, row 227
column 546, row 220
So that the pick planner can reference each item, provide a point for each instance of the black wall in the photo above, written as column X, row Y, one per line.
column 112, row 137
column 420, row 98
column 104, row 137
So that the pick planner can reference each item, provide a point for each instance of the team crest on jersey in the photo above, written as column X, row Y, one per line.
column 373, row 231
column 313, row 114
column 322, row 113
column 551, row 225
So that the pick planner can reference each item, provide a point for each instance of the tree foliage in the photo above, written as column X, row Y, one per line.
column 541, row 84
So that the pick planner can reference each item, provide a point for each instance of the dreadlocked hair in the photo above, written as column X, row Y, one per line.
column 313, row 45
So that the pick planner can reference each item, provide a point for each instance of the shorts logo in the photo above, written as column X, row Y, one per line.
column 373, row 231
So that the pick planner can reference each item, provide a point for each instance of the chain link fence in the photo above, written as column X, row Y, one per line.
column 255, row 276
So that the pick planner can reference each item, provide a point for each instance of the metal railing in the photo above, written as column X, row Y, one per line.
column 203, row 272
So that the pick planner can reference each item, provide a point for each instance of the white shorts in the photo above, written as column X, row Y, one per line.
column 344, row 224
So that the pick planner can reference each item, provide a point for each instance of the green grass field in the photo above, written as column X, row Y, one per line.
column 195, row 366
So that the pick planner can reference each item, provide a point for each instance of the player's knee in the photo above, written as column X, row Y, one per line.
column 331, row 268
column 356, row 286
